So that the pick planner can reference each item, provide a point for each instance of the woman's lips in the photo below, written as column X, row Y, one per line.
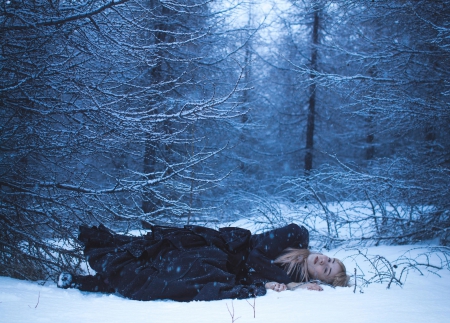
column 316, row 259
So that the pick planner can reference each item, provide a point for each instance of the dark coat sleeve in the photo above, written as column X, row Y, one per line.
column 266, row 247
column 215, row 291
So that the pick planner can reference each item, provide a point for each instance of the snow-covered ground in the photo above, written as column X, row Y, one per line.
column 424, row 297
column 421, row 299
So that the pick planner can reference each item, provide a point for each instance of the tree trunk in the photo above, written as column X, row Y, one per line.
column 149, row 202
column 312, row 96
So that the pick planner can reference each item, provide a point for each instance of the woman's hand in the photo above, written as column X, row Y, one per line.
column 313, row 286
column 308, row 286
column 276, row 286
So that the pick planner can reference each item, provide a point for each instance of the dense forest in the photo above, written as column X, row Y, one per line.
column 131, row 112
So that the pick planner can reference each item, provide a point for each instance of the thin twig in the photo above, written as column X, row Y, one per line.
column 232, row 313
column 253, row 306
column 39, row 297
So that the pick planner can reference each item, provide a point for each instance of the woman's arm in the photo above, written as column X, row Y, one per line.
column 276, row 286
column 308, row 286
column 292, row 286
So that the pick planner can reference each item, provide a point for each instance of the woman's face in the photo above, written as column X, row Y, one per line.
column 322, row 267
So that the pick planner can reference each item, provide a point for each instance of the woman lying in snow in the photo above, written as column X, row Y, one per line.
column 198, row 263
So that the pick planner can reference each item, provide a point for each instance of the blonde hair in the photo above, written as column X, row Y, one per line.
column 294, row 261
column 341, row 279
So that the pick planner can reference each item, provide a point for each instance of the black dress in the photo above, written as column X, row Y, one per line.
column 184, row 264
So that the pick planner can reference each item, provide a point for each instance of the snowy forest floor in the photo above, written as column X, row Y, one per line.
column 423, row 297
